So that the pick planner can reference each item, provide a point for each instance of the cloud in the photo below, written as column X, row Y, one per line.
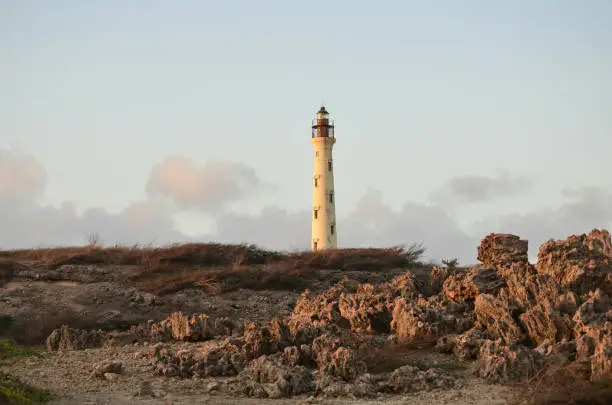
column 208, row 188
column 22, row 178
column 475, row 189
column 586, row 208
column 372, row 222
column 24, row 222
column 273, row 227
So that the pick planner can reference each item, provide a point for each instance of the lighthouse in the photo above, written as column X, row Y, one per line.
column 324, row 231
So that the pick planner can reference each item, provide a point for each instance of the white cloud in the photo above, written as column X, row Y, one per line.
column 210, row 187
column 24, row 222
column 475, row 188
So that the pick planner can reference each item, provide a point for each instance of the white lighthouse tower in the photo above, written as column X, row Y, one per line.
column 324, row 231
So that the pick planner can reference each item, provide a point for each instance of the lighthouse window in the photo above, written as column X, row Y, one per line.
column 332, row 229
column 329, row 165
column 316, row 182
column 316, row 214
column 317, row 153
column 331, row 197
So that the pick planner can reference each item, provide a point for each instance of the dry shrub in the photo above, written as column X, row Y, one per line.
column 363, row 259
column 221, row 267
column 216, row 254
column 195, row 254
column 565, row 385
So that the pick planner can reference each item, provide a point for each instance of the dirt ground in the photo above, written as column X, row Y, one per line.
column 67, row 376
column 91, row 296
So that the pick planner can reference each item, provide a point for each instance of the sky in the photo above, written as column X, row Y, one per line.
column 156, row 122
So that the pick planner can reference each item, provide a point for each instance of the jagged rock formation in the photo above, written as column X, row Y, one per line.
column 512, row 318
column 556, row 312
column 67, row 338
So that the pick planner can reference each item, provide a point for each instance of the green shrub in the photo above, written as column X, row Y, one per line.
column 14, row 391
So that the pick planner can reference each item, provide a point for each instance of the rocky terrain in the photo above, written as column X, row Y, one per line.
column 233, row 324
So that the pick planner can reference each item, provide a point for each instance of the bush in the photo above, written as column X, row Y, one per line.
column 13, row 391
column 10, row 349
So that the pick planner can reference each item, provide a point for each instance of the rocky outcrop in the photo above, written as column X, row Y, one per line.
column 542, row 322
column 367, row 310
column 582, row 263
column 467, row 285
column 514, row 319
column 259, row 341
column 336, row 360
column 268, row 376
column 502, row 250
column 407, row 379
column 194, row 328
column 493, row 316
column 464, row 346
column 321, row 310
column 66, row 338
column 424, row 320
column 500, row 362
column 223, row 359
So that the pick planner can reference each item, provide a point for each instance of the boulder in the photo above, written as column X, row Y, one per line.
column 502, row 250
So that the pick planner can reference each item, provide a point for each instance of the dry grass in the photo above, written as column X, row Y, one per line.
column 215, row 254
column 220, row 268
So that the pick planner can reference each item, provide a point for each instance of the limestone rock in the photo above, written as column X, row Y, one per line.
column 107, row 367
column 196, row 327
column 366, row 310
column 581, row 262
column 467, row 285
column 298, row 356
column 336, row 360
column 222, row 360
column 267, row 339
column 267, row 376
column 321, row 310
column 113, row 339
column 422, row 320
column 498, row 362
column 494, row 316
column 542, row 322
column 438, row 277
column 502, row 250
column 408, row 379
column 66, row 338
